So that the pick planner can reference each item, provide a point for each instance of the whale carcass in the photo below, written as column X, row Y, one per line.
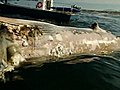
column 24, row 41
column 66, row 41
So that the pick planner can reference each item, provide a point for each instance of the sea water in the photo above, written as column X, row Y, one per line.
column 90, row 4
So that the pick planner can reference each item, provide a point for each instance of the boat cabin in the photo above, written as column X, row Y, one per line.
column 38, row 4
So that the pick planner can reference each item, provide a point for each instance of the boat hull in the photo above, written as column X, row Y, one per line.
column 29, row 13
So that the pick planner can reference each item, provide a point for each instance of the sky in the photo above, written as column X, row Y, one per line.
column 101, row 1
column 94, row 1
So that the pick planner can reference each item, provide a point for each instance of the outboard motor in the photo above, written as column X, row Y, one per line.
column 3, row 1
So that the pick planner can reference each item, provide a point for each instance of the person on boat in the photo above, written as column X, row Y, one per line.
column 5, row 1
column 75, row 6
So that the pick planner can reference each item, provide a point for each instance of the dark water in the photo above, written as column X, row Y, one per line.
column 102, row 73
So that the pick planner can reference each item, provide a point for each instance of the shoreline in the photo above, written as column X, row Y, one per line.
column 101, row 11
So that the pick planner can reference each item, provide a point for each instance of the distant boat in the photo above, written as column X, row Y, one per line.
column 35, row 9
column 72, row 9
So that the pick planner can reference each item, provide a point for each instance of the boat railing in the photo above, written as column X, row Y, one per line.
column 66, row 12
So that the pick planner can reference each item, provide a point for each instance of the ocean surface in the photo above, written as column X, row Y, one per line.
column 90, row 4
column 102, row 73
column 107, row 21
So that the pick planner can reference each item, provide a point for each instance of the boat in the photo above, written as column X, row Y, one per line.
column 33, row 9
column 73, row 9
